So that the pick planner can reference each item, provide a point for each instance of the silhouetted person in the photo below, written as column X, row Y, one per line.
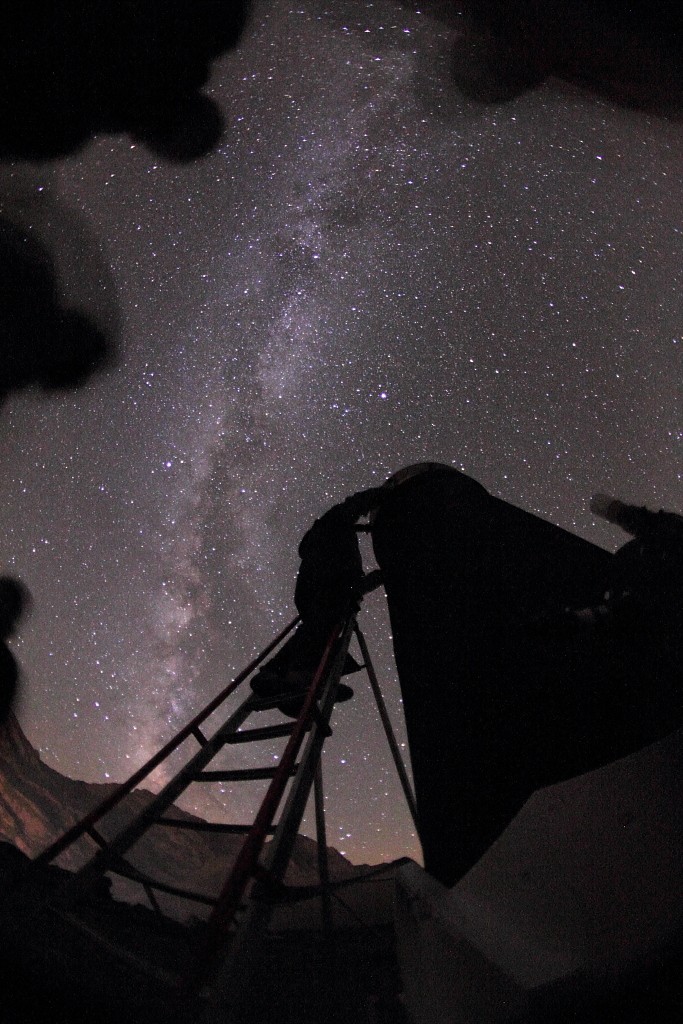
column 645, row 591
column 330, row 579
column 14, row 599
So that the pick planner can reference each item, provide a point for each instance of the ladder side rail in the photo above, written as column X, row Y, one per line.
column 388, row 730
column 149, row 816
column 126, row 870
column 113, row 948
column 77, row 830
column 206, row 826
column 244, row 867
column 323, row 859
column 231, row 978
column 280, row 849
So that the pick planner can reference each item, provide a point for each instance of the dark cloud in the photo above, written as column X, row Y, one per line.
column 69, row 71
column 58, row 312
column 628, row 53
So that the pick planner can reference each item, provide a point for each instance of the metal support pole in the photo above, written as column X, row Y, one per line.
column 321, row 839
column 383, row 714
column 228, row 981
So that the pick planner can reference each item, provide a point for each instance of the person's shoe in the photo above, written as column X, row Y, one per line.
column 263, row 684
column 268, row 683
column 293, row 705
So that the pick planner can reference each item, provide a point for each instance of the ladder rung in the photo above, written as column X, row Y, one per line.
column 122, row 867
column 208, row 826
column 94, row 834
column 122, row 953
column 267, row 732
column 267, row 703
column 239, row 774
column 199, row 736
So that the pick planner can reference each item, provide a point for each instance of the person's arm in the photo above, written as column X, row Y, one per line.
column 362, row 503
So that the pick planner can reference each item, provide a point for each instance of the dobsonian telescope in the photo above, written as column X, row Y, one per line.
column 525, row 654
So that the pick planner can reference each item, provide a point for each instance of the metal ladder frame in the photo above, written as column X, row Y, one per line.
column 86, row 826
column 217, row 974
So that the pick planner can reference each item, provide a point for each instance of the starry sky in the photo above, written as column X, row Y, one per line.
column 369, row 271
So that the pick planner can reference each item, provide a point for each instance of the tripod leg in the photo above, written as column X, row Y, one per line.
column 391, row 739
column 321, row 837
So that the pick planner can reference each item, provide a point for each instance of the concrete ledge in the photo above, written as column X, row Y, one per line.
column 584, row 887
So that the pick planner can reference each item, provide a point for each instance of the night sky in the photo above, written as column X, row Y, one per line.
column 369, row 271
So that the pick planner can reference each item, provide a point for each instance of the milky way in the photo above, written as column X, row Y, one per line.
column 369, row 272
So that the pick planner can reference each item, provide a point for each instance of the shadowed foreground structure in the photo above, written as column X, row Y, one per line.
column 504, row 694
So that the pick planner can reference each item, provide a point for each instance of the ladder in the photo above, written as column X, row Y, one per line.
column 221, row 966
